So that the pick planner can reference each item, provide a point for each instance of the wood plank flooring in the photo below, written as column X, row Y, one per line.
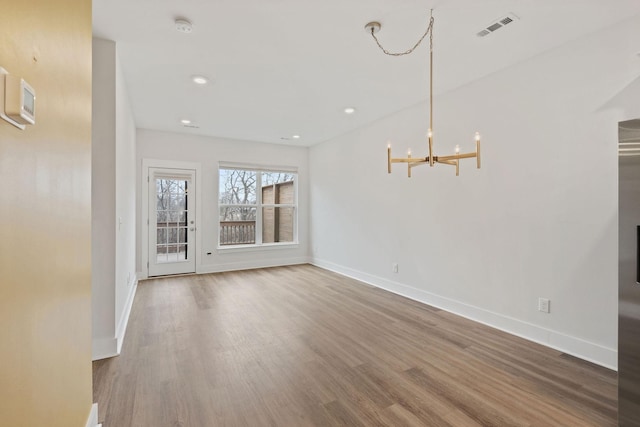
column 301, row 346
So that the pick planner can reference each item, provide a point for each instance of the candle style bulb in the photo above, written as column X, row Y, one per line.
column 477, row 150
column 457, row 149
column 409, row 152
column 429, row 133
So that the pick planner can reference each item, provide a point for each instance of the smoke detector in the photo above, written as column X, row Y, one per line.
column 497, row 24
column 183, row 26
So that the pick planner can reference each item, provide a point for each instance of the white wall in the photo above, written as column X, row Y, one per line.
column 103, row 196
column 125, row 179
column 113, row 199
column 538, row 220
column 208, row 152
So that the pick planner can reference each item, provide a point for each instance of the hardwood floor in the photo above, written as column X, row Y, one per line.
column 300, row 346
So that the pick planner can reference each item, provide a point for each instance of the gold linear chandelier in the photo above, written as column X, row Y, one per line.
column 431, row 159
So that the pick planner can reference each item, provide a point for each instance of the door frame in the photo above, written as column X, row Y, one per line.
column 170, row 267
column 144, row 208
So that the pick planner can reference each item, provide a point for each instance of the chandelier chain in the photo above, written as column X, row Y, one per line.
column 408, row 51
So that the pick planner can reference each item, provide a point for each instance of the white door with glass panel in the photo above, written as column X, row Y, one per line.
column 172, row 221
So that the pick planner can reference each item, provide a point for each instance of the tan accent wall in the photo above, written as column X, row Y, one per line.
column 45, row 218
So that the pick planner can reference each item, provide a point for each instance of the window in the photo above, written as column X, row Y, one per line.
column 257, row 206
column 171, row 212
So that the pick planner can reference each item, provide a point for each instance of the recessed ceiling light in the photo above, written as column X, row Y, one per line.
column 349, row 110
column 296, row 137
column 183, row 25
column 200, row 80
column 185, row 121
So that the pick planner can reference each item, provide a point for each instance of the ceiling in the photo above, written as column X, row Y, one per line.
column 279, row 68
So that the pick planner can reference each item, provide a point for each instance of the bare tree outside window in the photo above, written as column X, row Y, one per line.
column 171, row 210
column 237, row 188
column 170, row 196
column 270, row 178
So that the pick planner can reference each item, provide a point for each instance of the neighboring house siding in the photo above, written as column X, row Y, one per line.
column 277, row 223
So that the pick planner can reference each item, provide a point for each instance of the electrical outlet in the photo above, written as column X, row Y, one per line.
column 544, row 305
column 394, row 266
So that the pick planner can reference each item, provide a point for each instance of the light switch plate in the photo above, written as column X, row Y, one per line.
column 3, row 73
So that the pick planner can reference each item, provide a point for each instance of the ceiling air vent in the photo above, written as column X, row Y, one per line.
column 497, row 24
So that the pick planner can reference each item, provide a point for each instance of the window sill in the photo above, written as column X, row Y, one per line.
column 252, row 248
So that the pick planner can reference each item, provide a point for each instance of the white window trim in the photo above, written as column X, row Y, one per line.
column 262, row 247
column 256, row 168
column 258, row 245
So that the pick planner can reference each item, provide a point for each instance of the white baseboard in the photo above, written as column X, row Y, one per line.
column 249, row 265
column 124, row 319
column 574, row 346
column 103, row 348
column 242, row 265
column 92, row 421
